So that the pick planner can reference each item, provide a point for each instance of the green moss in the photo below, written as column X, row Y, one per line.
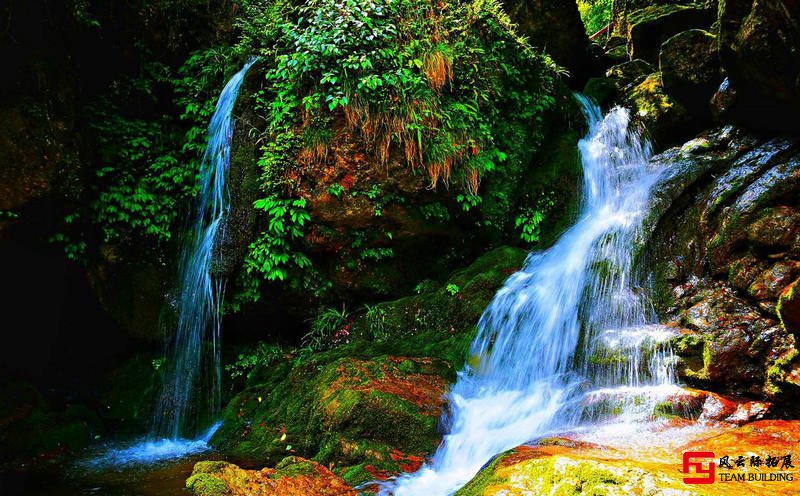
column 653, row 12
column 204, row 484
column 292, row 467
column 208, row 467
column 545, row 476
column 486, row 478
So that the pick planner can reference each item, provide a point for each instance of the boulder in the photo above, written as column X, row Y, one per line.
column 723, row 101
column 690, row 68
column 631, row 72
column 666, row 120
column 293, row 476
column 651, row 26
column 789, row 308
column 359, row 415
column 555, row 27
column 648, row 467
column 759, row 47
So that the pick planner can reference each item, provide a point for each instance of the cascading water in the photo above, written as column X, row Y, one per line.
column 192, row 378
column 198, row 305
column 569, row 328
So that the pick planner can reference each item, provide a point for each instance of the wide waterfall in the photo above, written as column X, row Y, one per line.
column 192, row 378
column 571, row 328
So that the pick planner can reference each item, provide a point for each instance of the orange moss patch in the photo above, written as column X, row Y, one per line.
column 653, row 468
column 425, row 391
column 294, row 476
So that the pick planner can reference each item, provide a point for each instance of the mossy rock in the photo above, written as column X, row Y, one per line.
column 651, row 26
column 292, row 476
column 600, row 89
column 690, row 69
column 666, row 120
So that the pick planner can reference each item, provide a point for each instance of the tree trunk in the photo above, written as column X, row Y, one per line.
column 619, row 15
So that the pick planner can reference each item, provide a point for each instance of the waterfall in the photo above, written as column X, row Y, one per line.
column 571, row 327
column 192, row 379
column 191, row 387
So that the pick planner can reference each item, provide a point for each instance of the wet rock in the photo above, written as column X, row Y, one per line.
column 744, row 271
column 293, row 476
column 722, row 101
column 602, row 90
column 777, row 230
column 789, row 308
column 769, row 284
column 617, row 467
column 651, row 26
column 690, row 68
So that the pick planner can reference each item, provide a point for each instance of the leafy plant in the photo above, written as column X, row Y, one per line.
column 375, row 317
column 328, row 328
column 336, row 190
column 452, row 289
column 272, row 254
column 262, row 356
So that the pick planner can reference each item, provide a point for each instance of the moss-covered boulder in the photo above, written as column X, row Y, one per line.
column 652, row 466
column 629, row 73
column 353, row 413
column 665, row 119
column 293, row 476
column 690, row 69
column 651, row 26
column 369, row 408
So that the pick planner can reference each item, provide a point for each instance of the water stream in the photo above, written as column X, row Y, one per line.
column 569, row 333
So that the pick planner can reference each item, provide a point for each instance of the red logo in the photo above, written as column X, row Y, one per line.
column 698, row 467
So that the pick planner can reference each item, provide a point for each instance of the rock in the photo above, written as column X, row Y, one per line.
column 777, row 230
column 789, row 308
column 648, row 467
column 690, row 68
column 651, row 26
column 31, row 430
column 555, row 27
column 628, row 73
column 601, row 90
column 744, row 271
column 618, row 55
column 722, row 101
column 360, row 414
column 666, row 120
column 759, row 46
column 769, row 284
column 293, row 476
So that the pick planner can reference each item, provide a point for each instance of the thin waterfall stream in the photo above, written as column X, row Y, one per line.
column 569, row 332
column 191, row 392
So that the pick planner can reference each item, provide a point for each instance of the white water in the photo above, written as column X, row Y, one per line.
column 148, row 451
column 571, row 324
